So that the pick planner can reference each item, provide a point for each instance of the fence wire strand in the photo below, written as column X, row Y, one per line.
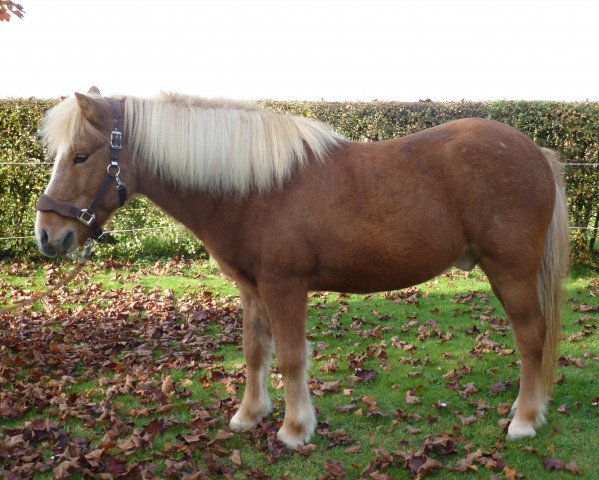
column 28, row 164
column 49, row 164
column 170, row 227
column 123, row 230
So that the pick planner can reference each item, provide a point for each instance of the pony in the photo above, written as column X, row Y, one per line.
column 287, row 206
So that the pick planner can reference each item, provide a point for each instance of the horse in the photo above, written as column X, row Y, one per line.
column 287, row 206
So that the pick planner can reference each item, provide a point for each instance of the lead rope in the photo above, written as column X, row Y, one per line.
column 81, row 256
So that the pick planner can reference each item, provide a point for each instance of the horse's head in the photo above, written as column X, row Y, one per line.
column 86, row 184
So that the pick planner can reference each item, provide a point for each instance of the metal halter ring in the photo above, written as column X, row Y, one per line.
column 113, row 165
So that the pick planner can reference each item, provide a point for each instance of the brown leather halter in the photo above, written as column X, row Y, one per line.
column 87, row 216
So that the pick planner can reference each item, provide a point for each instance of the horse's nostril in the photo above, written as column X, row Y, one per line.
column 67, row 241
column 44, row 237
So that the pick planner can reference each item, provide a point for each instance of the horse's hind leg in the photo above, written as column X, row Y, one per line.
column 518, row 293
column 257, row 352
column 498, row 295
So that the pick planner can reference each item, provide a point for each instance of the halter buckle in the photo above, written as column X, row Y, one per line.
column 86, row 217
column 116, row 140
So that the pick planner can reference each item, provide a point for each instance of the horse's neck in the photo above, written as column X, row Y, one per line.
column 208, row 217
column 188, row 208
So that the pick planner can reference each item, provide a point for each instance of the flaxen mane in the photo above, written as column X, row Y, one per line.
column 214, row 145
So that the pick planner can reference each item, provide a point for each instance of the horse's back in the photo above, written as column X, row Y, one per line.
column 473, row 172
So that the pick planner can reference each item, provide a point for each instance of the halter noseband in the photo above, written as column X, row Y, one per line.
column 87, row 216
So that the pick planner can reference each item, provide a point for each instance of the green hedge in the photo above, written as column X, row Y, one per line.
column 570, row 128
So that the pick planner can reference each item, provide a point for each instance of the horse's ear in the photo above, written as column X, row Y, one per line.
column 94, row 90
column 90, row 108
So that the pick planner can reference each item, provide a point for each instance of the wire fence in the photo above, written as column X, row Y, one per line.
column 38, row 163
column 28, row 164
column 32, row 163
column 124, row 230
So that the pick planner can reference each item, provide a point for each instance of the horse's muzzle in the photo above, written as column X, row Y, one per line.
column 61, row 246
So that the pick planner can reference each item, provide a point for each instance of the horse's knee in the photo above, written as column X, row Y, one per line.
column 257, row 350
column 292, row 363
column 257, row 336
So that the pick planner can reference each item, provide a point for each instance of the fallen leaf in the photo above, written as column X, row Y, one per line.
column 412, row 430
column 552, row 464
column 235, row 457
column 411, row 398
column 364, row 375
column 510, row 473
column 572, row 467
column 334, row 469
column 500, row 386
column 354, row 448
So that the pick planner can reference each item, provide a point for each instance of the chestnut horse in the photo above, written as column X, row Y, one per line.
column 287, row 206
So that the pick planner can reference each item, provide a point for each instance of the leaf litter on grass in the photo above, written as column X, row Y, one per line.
column 140, row 370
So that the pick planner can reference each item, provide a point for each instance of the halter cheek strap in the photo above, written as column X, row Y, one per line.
column 87, row 216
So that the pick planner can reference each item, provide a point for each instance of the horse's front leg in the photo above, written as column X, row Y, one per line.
column 257, row 353
column 285, row 303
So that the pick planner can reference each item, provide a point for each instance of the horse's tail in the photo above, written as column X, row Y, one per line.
column 553, row 270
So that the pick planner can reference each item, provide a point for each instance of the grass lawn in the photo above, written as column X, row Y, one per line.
column 133, row 371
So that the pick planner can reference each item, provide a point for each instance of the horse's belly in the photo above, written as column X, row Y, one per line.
column 377, row 275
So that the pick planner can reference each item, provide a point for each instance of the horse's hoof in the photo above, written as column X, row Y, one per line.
column 518, row 430
column 292, row 441
column 297, row 430
column 239, row 423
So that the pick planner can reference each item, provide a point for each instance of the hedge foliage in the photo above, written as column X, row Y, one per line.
column 570, row 128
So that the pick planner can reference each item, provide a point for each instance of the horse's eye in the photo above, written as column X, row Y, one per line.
column 81, row 158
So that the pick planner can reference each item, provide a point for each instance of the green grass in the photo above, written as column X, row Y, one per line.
column 570, row 437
